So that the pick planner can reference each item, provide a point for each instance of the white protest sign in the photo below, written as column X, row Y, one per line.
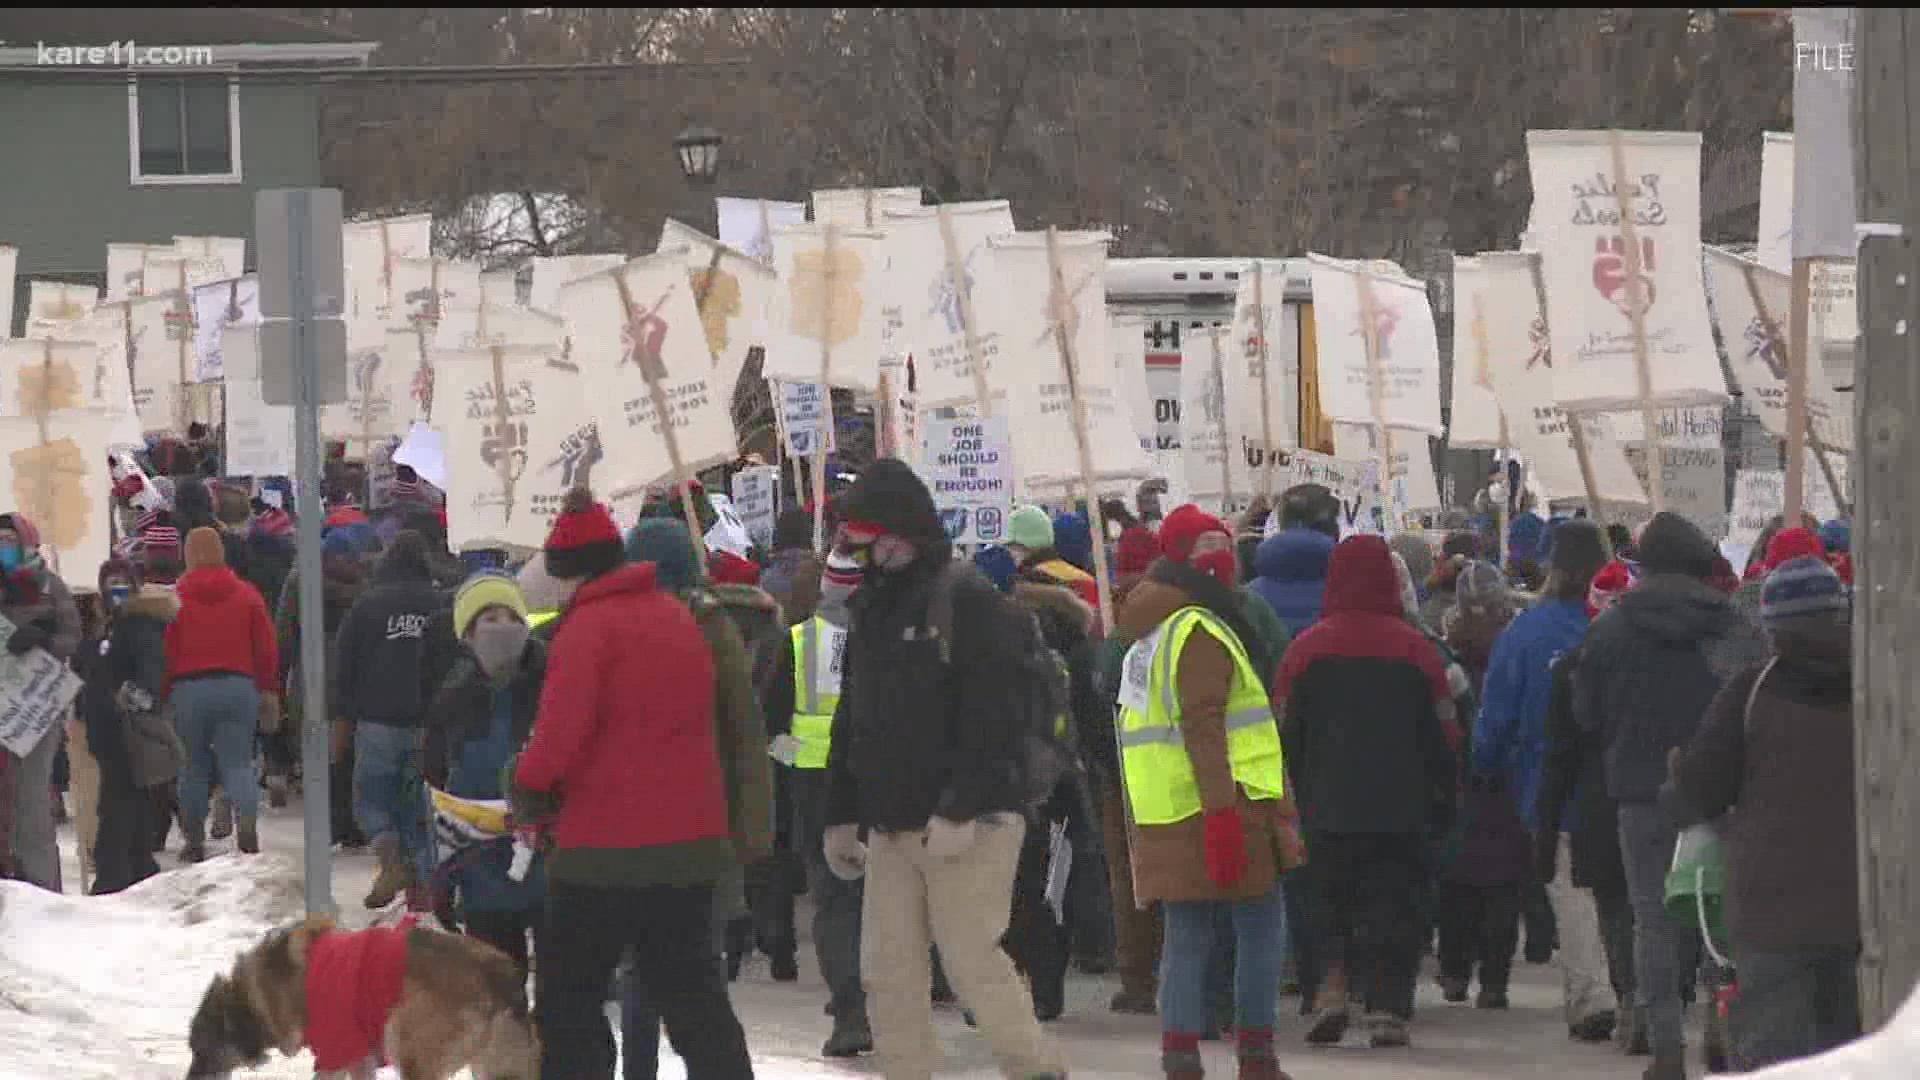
column 728, row 532
column 1585, row 261
column 259, row 435
column 808, row 419
column 1475, row 420
column 1759, row 495
column 1395, row 378
column 1696, row 483
column 35, row 689
column 8, row 258
column 829, row 307
column 1750, row 304
column 931, row 300
column 747, row 225
column 756, row 500
column 235, row 302
column 968, row 465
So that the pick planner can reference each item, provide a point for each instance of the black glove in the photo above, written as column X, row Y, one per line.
column 1546, row 855
column 25, row 639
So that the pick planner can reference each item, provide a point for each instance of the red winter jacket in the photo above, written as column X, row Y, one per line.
column 625, row 739
column 354, row 982
column 223, row 626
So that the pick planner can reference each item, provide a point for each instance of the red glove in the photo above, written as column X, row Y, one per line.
column 1226, row 847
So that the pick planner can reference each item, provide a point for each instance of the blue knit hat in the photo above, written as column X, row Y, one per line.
column 1073, row 539
column 665, row 543
column 998, row 566
column 1837, row 535
column 1803, row 586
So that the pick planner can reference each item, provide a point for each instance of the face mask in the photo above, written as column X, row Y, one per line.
column 9, row 558
column 1221, row 566
column 498, row 646
column 118, row 595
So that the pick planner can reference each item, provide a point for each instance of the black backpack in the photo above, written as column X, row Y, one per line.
column 1040, row 679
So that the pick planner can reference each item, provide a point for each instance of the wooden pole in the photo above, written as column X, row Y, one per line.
column 1070, row 368
column 1770, row 326
column 963, row 293
column 1377, row 391
column 829, row 272
column 1637, row 315
column 1576, row 422
column 1219, row 393
column 1886, row 620
column 682, row 478
column 183, row 326
column 41, row 405
column 1794, row 498
column 503, row 416
column 1266, row 376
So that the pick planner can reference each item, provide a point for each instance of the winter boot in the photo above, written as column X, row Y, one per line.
column 194, row 849
column 1631, row 1035
column 1331, row 1012
column 1386, row 1031
column 785, row 967
column 1257, row 1060
column 394, row 876
column 1453, row 989
column 851, row 1036
column 1593, row 1029
column 249, row 836
column 1491, row 997
column 1180, row 1056
column 1667, row 1065
column 277, row 792
column 1136, row 1002
column 221, row 817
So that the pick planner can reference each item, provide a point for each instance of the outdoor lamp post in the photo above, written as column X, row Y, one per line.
column 699, row 151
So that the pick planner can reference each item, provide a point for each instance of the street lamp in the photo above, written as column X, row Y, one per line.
column 699, row 151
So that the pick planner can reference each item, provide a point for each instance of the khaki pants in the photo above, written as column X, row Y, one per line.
column 961, row 905
column 1585, row 988
column 83, row 785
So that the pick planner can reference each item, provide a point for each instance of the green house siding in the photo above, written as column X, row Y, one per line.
column 66, row 193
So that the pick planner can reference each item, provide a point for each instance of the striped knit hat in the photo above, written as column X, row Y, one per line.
column 1802, row 586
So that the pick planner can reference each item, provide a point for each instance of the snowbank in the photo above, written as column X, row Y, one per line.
column 103, row 987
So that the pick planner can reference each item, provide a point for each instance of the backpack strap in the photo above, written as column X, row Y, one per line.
column 1753, row 694
column 940, row 606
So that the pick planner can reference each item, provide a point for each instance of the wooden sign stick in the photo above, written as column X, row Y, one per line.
column 829, row 274
column 1576, row 422
column 1376, row 390
column 651, row 373
column 1266, row 414
column 963, row 294
column 1217, row 378
column 1069, row 366
column 1637, row 315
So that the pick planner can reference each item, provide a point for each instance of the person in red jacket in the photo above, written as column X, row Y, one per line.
column 222, row 676
column 623, row 762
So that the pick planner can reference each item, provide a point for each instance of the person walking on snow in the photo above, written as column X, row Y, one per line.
column 1205, row 794
column 223, row 672
column 383, row 664
column 44, row 616
column 928, row 757
column 1364, row 703
column 625, row 764
column 125, row 678
column 800, row 703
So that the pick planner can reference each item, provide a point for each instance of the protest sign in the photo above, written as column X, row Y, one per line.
column 35, row 689
column 968, row 465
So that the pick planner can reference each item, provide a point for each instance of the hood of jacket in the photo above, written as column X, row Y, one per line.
column 1819, row 644
column 1148, row 604
column 1416, row 553
column 1361, row 579
column 1294, row 555
column 209, row 584
column 748, row 606
column 891, row 495
column 1062, row 615
column 632, row 579
column 151, row 602
column 1676, row 608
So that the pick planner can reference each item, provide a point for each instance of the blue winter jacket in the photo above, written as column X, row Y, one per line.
column 1291, row 575
column 1510, row 737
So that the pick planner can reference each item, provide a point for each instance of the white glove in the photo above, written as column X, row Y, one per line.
column 846, row 855
column 949, row 839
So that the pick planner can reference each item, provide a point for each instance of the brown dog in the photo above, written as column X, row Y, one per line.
column 428, row 1002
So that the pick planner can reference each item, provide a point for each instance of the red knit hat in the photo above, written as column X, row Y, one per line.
column 584, row 541
column 1790, row 544
column 1183, row 529
column 1135, row 552
column 726, row 568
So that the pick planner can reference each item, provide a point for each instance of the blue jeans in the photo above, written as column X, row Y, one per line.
column 389, row 795
column 1259, row 940
column 215, row 717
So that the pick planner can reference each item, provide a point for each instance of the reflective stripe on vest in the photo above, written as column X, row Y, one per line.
column 541, row 618
column 819, row 648
column 1160, row 782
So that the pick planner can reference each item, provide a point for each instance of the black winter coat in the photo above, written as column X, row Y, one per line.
column 1650, row 666
column 390, row 653
column 1574, row 775
column 914, row 737
column 134, row 651
column 462, row 707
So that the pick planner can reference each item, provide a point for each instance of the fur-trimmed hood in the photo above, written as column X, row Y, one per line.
column 1057, row 602
column 153, row 602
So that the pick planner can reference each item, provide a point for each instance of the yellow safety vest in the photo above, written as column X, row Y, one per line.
column 819, row 652
column 541, row 618
column 1161, row 786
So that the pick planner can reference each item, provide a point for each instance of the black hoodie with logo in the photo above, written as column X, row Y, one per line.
column 392, row 652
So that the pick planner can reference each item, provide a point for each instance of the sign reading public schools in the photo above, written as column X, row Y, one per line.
column 968, row 465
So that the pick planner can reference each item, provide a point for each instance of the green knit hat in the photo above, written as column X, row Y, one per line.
column 1030, row 528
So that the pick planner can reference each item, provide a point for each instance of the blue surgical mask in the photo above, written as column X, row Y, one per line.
column 9, row 558
column 118, row 594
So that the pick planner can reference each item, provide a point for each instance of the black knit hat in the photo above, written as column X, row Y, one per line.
column 891, row 495
column 1670, row 544
column 793, row 529
column 1310, row 506
column 1577, row 548
column 584, row 541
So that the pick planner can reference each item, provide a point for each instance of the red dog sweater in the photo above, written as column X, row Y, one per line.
column 354, row 981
